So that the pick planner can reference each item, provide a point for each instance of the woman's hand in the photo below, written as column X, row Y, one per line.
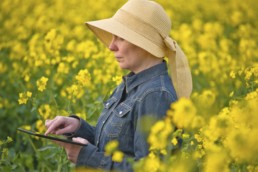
column 61, row 125
column 72, row 151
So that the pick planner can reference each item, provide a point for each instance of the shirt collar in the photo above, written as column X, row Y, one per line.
column 133, row 80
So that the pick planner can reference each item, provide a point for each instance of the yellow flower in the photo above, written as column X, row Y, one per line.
column 45, row 111
column 185, row 136
column 26, row 78
column 53, row 41
column 40, row 126
column 63, row 68
column 207, row 98
column 50, row 35
column 3, row 67
column 174, row 141
column 231, row 94
column 248, row 74
column 73, row 92
column 163, row 152
column 111, row 147
column 216, row 161
column 23, row 97
column 117, row 79
column 236, row 17
column 118, row 156
column 232, row 74
column 158, row 138
column 83, row 77
column 252, row 95
column 152, row 163
column 198, row 137
column 41, row 83
column 198, row 122
column 182, row 113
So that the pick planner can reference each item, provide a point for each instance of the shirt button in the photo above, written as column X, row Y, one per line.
column 103, row 122
column 107, row 104
column 120, row 112
column 97, row 142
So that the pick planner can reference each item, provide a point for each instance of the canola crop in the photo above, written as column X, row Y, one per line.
column 51, row 64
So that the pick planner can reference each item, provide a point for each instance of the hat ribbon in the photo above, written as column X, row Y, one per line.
column 181, row 74
column 170, row 43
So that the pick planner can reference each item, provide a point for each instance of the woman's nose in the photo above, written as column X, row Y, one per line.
column 112, row 45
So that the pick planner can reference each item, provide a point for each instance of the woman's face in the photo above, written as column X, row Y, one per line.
column 129, row 56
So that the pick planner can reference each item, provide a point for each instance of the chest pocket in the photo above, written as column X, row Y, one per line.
column 106, row 110
column 118, row 121
column 122, row 110
column 109, row 103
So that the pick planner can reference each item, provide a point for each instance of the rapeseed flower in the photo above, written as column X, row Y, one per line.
column 63, row 68
column 83, row 77
column 111, row 147
column 159, row 134
column 220, row 127
column 45, row 111
column 174, row 141
column 41, row 83
column 217, row 161
column 117, row 79
column 151, row 163
column 23, row 97
column 73, row 92
column 40, row 126
column 182, row 113
column 117, row 156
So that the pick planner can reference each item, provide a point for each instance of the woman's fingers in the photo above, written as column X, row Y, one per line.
column 61, row 125
column 54, row 125
column 66, row 129
column 72, row 150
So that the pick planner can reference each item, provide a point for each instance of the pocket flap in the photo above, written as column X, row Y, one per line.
column 107, row 104
column 122, row 110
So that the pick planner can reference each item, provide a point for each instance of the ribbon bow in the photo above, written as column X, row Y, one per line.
column 170, row 43
column 180, row 72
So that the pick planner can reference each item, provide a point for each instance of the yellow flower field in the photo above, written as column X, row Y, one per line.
column 51, row 64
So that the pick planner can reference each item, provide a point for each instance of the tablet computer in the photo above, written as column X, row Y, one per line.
column 50, row 137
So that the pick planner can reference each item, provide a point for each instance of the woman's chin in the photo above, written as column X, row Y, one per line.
column 122, row 66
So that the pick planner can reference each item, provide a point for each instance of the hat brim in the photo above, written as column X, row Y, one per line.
column 106, row 28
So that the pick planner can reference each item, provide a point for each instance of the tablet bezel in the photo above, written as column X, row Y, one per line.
column 50, row 137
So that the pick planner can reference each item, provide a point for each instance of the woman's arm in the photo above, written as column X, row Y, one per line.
column 85, row 130
column 154, row 104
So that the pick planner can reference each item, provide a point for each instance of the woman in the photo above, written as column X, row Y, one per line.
column 138, row 34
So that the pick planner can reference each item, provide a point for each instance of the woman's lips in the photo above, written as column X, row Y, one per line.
column 119, row 58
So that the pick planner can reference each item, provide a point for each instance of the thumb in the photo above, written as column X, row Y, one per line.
column 80, row 140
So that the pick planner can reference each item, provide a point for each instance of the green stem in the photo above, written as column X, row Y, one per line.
column 32, row 144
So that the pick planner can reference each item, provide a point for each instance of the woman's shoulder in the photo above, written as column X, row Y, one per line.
column 161, row 83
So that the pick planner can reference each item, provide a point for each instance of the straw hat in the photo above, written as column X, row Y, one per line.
column 145, row 24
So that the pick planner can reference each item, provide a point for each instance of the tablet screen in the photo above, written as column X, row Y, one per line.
column 50, row 137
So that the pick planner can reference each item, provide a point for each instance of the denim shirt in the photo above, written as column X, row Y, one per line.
column 149, row 92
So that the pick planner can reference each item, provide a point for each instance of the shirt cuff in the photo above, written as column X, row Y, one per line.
column 89, row 156
column 71, row 135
